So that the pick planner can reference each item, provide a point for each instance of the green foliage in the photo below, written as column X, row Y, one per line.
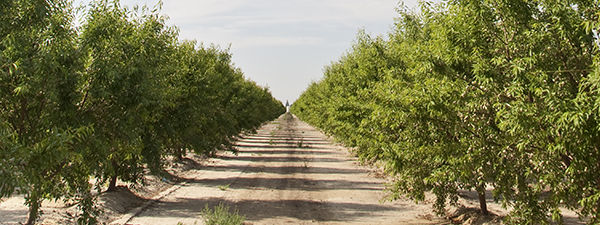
column 108, row 101
column 475, row 94
column 42, row 146
column 223, row 187
column 221, row 215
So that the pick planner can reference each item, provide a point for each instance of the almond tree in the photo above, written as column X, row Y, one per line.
column 42, row 145
column 123, row 86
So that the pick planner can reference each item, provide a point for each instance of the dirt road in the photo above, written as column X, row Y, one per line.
column 286, row 173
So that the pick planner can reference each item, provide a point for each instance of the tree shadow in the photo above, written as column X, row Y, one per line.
column 122, row 200
column 281, row 159
column 572, row 220
column 472, row 196
column 288, row 152
column 286, row 141
column 8, row 216
column 266, row 145
column 312, row 210
column 280, row 137
column 288, row 183
column 283, row 169
column 289, row 145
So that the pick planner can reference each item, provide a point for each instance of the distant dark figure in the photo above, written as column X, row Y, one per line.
column 287, row 106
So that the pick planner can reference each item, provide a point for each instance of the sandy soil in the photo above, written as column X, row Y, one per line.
column 286, row 173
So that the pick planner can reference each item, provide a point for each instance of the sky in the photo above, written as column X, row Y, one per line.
column 281, row 44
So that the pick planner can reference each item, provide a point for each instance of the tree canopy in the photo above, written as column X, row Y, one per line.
column 471, row 95
column 106, row 101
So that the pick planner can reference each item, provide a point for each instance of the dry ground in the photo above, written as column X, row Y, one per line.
column 288, row 172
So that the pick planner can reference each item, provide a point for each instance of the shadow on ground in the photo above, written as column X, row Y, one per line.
column 281, row 159
column 287, row 184
column 284, row 169
column 299, row 209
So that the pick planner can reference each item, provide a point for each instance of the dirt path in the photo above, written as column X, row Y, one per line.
column 286, row 173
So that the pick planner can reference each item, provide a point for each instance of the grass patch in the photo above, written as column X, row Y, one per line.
column 223, row 187
column 221, row 215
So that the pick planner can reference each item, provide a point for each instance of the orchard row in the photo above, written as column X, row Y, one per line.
column 476, row 95
column 109, row 99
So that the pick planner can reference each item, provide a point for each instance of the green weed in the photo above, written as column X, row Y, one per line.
column 220, row 215
column 223, row 187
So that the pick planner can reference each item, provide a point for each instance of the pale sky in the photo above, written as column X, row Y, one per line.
column 282, row 44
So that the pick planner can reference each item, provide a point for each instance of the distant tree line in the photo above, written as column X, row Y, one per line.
column 106, row 101
column 473, row 94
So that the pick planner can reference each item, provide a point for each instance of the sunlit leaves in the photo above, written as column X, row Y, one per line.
column 475, row 94
column 109, row 101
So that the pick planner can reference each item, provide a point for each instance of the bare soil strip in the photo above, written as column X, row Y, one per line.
column 288, row 172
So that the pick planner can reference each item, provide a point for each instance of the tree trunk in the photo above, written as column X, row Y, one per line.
column 112, row 186
column 482, row 202
column 34, row 207
column 179, row 154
